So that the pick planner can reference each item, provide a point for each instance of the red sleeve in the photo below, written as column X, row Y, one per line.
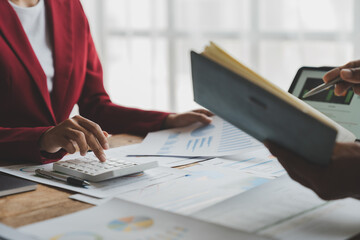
column 96, row 105
column 22, row 145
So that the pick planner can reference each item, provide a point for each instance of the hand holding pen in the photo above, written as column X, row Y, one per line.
column 342, row 78
column 350, row 73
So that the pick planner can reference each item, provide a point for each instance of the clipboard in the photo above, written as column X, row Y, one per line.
column 258, row 112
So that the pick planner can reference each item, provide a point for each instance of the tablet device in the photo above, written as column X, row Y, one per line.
column 10, row 185
column 344, row 110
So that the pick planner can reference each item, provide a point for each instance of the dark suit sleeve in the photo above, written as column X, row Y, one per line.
column 96, row 105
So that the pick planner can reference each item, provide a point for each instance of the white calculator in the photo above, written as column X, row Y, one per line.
column 91, row 169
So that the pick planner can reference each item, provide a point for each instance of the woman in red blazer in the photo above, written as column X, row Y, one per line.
column 34, row 124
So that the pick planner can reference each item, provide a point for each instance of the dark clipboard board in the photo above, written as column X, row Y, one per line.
column 258, row 112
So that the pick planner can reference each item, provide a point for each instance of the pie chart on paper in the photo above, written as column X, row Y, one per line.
column 129, row 224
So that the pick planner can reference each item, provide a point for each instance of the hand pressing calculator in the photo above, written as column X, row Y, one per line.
column 91, row 169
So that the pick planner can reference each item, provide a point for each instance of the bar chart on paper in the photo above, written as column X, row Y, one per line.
column 218, row 138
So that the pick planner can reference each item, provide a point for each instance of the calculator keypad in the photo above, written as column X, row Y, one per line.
column 92, row 166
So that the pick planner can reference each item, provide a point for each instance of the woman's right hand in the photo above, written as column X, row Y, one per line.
column 350, row 73
column 337, row 180
column 75, row 131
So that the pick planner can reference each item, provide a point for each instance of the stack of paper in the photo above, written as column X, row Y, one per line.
column 201, row 188
column 283, row 209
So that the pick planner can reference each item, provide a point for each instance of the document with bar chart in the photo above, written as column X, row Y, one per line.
column 219, row 138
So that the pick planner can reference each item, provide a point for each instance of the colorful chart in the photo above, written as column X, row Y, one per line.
column 198, row 143
column 131, row 223
column 78, row 236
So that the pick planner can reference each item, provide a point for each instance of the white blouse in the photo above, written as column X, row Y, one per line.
column 33, row 20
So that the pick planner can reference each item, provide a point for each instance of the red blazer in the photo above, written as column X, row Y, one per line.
column 27, row 109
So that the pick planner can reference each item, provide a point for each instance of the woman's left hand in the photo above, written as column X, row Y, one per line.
column 176, row 120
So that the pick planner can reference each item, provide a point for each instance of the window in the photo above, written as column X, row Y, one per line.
column 144, row 45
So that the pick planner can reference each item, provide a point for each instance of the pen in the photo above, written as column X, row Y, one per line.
column 322, row 87
column 70, row 180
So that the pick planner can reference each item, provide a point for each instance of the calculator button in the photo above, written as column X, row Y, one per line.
column 90, row 168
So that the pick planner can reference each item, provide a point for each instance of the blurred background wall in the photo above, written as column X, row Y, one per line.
column 144, row 45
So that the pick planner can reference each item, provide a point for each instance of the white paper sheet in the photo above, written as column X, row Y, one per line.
column 170, row 162
column 163, row 161
column 102, row 189
column 263, row 207
column 121, row 151
column 9, row 233
column 88, row 199
column 119, row 219
column 219, row 138
column 203, row 187
column 259, row 163
column 335, row 221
